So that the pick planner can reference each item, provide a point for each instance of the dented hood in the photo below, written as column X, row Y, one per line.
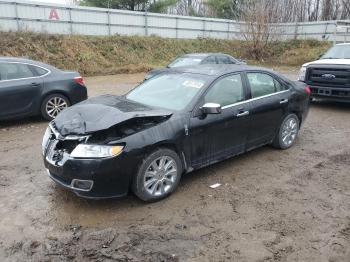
column 100, row 113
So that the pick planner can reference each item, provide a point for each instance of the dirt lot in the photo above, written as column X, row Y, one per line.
column 273, row 205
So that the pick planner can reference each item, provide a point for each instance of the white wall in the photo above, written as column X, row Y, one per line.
column 60, row 19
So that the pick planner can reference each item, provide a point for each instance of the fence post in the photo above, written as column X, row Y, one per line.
column 335, row 33
column 176, row 27
column 228, row 30
column 146, row 24
column 296, row 31
column 70, row 20
column 16, row 13
column 109, row 22
column 203, row 28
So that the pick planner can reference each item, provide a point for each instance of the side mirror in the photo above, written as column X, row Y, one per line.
column 211, row 108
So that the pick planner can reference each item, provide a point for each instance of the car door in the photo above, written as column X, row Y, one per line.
column 215, row 137
column 269, row 101
column 19, row 88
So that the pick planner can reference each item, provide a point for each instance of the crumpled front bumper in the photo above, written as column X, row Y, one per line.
column 109, row 177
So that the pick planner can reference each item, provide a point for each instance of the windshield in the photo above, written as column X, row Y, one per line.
column 185, row 61
column 338, row 52
column 169, row 91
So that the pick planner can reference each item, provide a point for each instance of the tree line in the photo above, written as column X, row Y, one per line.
column 278, row 10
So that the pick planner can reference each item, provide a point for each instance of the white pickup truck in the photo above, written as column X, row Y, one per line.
column 329, row 77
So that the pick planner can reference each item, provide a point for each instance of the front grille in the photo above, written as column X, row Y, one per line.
column 329, row 76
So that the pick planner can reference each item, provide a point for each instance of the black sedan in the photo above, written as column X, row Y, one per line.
column 29, row 88
column 196, row 59
column 172, row 124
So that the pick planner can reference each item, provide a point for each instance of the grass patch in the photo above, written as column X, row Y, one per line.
column 93, row 55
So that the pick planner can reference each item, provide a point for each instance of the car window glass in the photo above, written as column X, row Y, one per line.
column 38, row 70
column 261, row 84
column 279, row 86
column 226, row 91
column 170, row 90
column 224, row 59
column 185, row 61
column 209, row 60
column 9, row 71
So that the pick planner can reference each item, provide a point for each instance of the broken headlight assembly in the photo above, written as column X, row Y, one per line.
column 96, row 151
column 45, row 139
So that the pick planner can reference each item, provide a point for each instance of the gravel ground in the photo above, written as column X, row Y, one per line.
column 273, row 205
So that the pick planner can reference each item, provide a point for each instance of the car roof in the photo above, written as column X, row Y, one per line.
column 343, row 44
column 27, row 61
column 16, row 59
column 203, row 54
column 218, row 69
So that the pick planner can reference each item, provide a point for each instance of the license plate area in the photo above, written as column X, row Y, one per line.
column 324, row 91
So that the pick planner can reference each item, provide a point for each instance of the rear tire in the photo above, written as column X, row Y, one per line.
column 287, row 132
column 52, row 105
column 158, row 176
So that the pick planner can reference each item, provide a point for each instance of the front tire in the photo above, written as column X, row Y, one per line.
column 158, row 175
column 52, row 105
column 287, row 132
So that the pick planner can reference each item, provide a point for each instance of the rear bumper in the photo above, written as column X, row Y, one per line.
column 331, row 93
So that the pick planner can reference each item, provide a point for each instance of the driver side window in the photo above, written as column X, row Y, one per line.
column 226, row 91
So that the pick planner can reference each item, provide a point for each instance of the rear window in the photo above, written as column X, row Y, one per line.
column 39, row 71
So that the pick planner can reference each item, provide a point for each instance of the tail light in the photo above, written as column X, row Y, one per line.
column 307, row 90
column 79, row 80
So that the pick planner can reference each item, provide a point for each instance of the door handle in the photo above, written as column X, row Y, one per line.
column 242, row 113
column 35, row 84
column 283, row 101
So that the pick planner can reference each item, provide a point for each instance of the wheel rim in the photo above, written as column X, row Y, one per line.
column 289, row 131
column 55, row 105
column 160, row 176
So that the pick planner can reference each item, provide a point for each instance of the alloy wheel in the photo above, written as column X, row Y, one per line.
column 289, row 131
column 160, row 176
column 55, row 105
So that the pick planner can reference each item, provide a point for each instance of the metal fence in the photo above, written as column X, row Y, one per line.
column 59, row 19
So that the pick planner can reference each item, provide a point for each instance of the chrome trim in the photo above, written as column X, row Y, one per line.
column 253, row 99
column 24, row 63
column 71, row 187
column 55, row 132
column 69, row 137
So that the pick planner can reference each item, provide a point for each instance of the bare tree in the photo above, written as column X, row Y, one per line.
column 259, row 28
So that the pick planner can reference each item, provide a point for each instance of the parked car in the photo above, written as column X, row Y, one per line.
column 196, row 59
column 172, row 124
column 329, row 77
column 29, row 88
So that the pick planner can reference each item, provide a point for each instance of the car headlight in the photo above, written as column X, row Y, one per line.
column 45, row 139
column 302, row 74
column 96, row 151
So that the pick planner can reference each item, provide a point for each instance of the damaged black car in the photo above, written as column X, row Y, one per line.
column 169, row 125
